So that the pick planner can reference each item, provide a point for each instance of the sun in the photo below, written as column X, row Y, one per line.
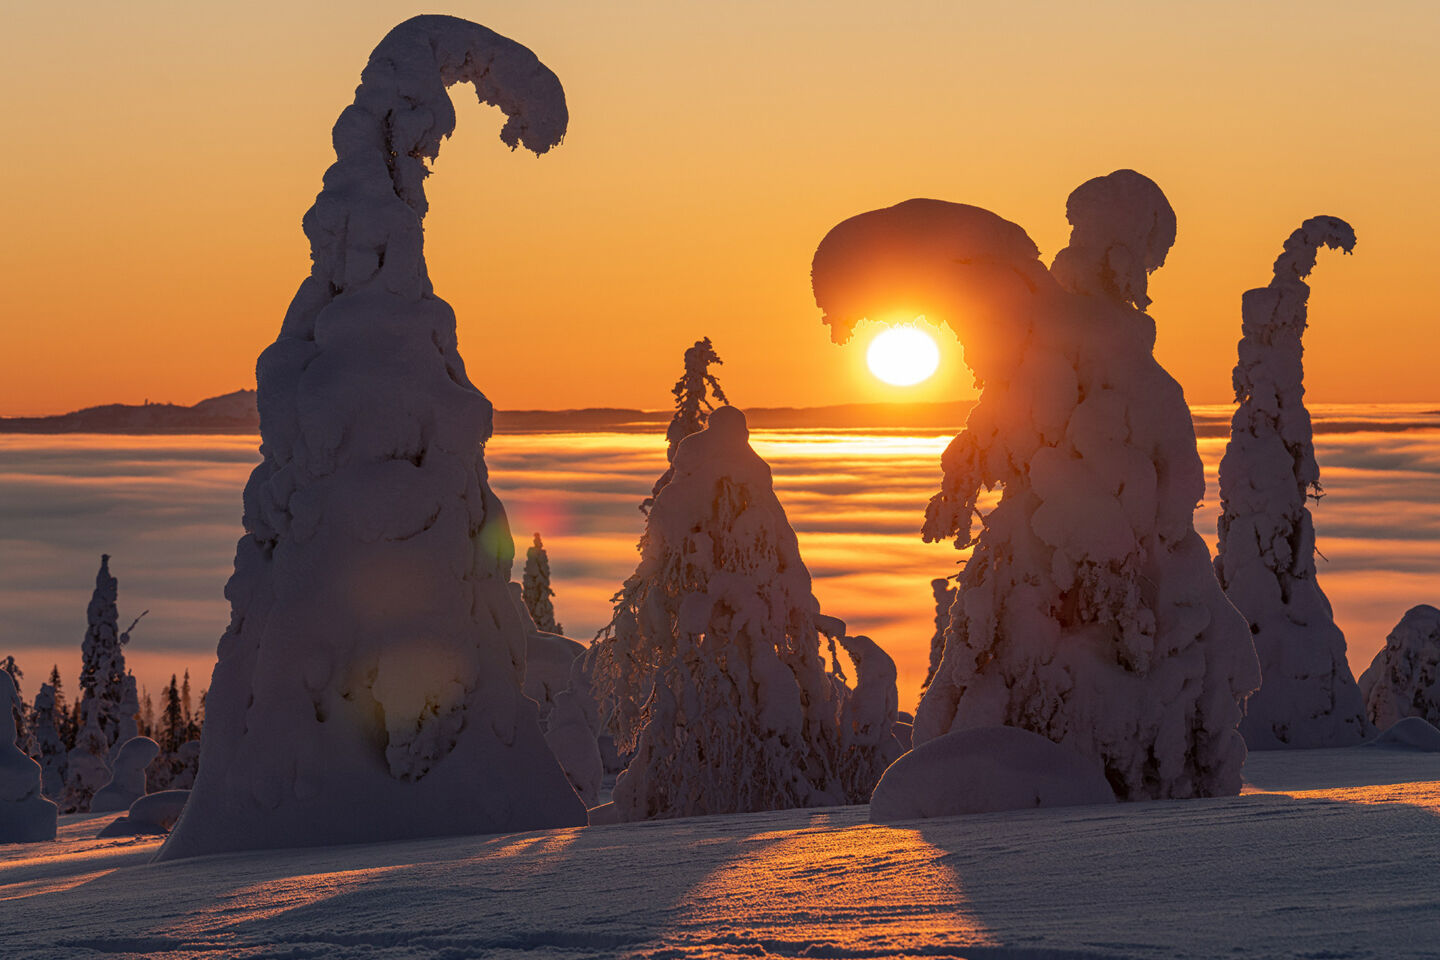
column 903, row 356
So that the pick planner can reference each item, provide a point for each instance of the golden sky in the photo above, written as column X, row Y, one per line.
column 161, row 154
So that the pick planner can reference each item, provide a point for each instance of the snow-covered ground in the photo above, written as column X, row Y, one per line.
column 1329, row 854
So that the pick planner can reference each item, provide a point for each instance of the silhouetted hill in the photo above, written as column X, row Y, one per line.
column 235, row 413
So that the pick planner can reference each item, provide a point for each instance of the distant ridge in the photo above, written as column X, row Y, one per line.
column 234, row 413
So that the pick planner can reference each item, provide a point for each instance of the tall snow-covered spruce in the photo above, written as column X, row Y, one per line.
column 1088, row 611
column 368, row 687
column 692, row 405
column 1266, row 556
column 711, row 669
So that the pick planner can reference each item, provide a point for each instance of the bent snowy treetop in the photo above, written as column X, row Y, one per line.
column 368, row 687
column 1088, row 612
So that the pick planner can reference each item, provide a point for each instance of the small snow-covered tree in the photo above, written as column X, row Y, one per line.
column 368, row 686
column 692, row 405
column 1266, row 557
column 711, row 667
column 51, row 751
column 24, row 738
column 1088, row 611
column 1404, row 678
column 536, row 589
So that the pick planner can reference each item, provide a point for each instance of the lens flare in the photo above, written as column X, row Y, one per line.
column 903, row 356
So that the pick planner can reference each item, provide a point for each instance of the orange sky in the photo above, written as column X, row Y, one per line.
column 161, row 155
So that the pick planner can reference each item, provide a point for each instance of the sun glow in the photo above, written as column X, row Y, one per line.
column 903, row 356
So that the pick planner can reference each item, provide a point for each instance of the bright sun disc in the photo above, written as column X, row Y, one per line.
column 903, row 356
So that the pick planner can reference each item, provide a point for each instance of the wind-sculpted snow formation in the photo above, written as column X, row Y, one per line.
column 1404, row 678
column 368, row 687
column 1266, row 557
column 1088, row 611
column 25, row 815
column 711, row 669
column 127, row 781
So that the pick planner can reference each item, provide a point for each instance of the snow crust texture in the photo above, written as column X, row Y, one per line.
column 1266, row 556
column 1404, row 678
column 711, row 670
column 983, row 770
column 25, row 815
column 368, row 686
column 1088, row 611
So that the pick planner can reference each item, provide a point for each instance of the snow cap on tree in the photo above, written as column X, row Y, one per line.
column 1404, row 678
column 1266, row 556
column 536, row 589
column 711, row 668
column 1088, row 611
column 692, row 405
column 368, row 687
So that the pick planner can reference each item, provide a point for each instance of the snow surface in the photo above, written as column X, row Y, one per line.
column 1327, row 855
column 1266, row 557
column 369, row 683
column 1404, row 678
column 983, row 770
column 1088, row 611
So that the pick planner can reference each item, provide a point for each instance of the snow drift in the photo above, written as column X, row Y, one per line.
column 1088, row 611
column 1404, row 678
column 369, row 684
column 983, row 770
column 1266, row 557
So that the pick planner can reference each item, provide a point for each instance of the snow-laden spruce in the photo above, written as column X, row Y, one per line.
column 1088, row 611
column 1404, row 678
column 1266, row 557
column 536, row 589
column 25, row 815
column 711, row 669
column 944, row 596
column 127, row 779
column 368, row 687
column 49, row 741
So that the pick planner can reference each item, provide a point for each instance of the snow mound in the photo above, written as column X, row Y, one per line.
column 548, row 658
column 152, row 813
column 127, row 780
column 983, row 770
column 25, row 815
column 369, row 684
column 1404, row 678
column 1088, row 612
column 1411, row 733
column 1266, row 557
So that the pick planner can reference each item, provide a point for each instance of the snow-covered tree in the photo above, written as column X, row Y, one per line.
column 1266, row 557
column 1088, row 611
column 711, row 668
column 102, row 672
column 51, row 751
column 25, row 815
column 24, row 738
column 368, row 686
column 944, row 596
column 536, row 589
column 1404, row 678
column 692, row 405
